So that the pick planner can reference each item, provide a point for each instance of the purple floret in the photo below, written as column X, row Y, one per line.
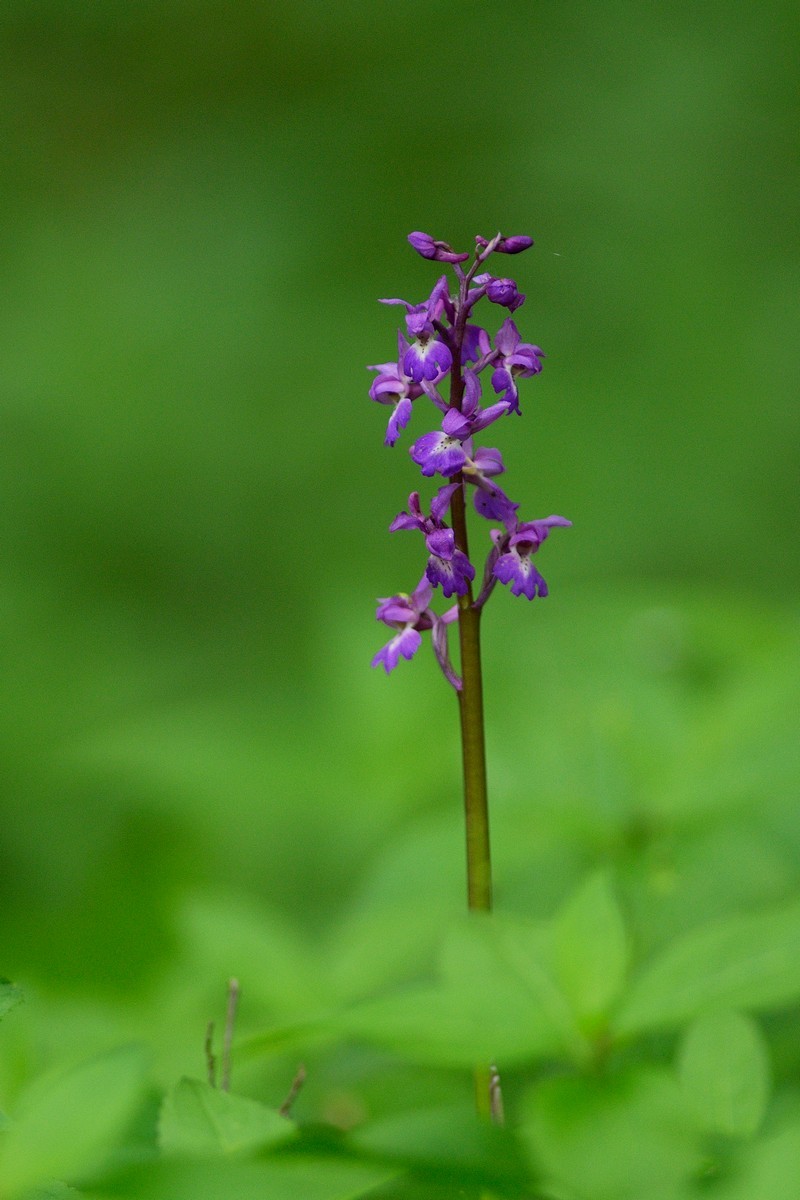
column 427, row 358
column 513, row 564
column 394, row 386
column 505, row 293
column 448, row 565
column 519, row 571
column 404, row 644
column 437, row 453
column 515, row 358
column 409, row 616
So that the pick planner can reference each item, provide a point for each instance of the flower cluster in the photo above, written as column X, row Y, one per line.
column 442, row 343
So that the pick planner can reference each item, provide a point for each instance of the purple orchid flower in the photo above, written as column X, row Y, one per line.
column 427, row 357
column 514, row 550
column 447, row 565
column 515, row 358
column 480, row 469
column 439, row 452
column 393, row 386
column 410, row 616
column 443, row 452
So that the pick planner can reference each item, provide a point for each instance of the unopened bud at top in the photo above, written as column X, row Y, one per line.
column 429, row 247
column 509, row 245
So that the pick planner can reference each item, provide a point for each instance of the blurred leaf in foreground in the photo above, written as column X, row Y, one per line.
column 198, row 1119
column 724, row 1074
column 591, row 949
column 747, row 962
column 68, row 1124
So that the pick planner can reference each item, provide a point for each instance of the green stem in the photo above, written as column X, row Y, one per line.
column 470, row 703
column 473, row 744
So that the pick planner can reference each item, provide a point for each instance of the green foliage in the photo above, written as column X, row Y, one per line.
column 724, row 1074
column 637, row 985
column 591, row 950
column 771, row 1169
column 664, row 907
column 66, row 1125
column 448, row 1144
column 752, row 962
column 198, row 1119
column 612, row 1140
column 311, row 1178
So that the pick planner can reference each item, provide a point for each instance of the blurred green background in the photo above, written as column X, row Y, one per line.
column 202, row 203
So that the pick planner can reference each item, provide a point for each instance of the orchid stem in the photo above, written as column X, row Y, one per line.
column 473, row 744
column 470, row 703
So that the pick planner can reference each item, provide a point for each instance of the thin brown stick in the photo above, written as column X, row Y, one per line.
column 297, row 1083
column 230, row 1021
column 211, row 1062
column 496, row 1097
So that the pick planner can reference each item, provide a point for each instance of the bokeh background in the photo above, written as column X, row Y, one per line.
column 202, row 203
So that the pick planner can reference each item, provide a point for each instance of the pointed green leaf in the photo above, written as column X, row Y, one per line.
column 449, row 1140
column 68, row 1124
column 621, row 1137
column 197, row 1118
column 591, row 949
column 749, row 962
column 724, row 1073
column 496, row 999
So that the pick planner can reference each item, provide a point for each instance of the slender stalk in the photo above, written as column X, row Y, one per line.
column 473, row 744
column 470, row 698
column 211, row 1062
column 227, row 1045
column 470, row 702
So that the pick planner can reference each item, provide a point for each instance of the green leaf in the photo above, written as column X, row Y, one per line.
column 68, row 1124
column 591, row 949
column 451, row 1142
column 438, row 1026
column 724, row 1073
column 287, row 1178
column 770, row 1170
column 619, row 1138
column 496, row 1000
column 10, row 996
column 741, row 962
column 500, row 967
column 197, row 1118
